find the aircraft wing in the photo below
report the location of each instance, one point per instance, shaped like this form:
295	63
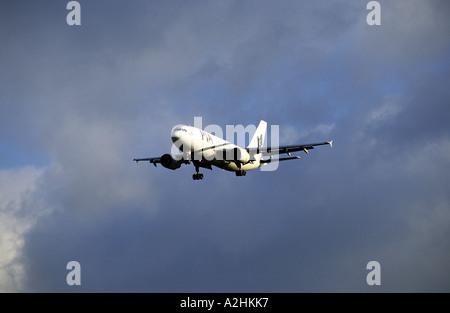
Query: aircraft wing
154	161
269	151
190	156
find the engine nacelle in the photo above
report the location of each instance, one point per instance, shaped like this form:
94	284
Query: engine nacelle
168	162
236	155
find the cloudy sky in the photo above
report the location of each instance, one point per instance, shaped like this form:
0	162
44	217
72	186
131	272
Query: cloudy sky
78	103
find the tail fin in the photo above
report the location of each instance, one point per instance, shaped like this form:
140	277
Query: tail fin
259	136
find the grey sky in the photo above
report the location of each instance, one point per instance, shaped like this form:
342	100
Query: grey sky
79	103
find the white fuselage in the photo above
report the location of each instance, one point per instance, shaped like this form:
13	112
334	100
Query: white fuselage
188	138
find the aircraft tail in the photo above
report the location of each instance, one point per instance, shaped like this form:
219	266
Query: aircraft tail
259	136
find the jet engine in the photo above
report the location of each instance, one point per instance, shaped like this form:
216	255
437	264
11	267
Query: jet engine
169	162
236	155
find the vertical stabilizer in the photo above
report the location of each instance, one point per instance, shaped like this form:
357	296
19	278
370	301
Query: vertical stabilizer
259	136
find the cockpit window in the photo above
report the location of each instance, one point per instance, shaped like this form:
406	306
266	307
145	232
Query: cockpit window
181	129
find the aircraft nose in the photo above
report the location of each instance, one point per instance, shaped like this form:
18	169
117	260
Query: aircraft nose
177	133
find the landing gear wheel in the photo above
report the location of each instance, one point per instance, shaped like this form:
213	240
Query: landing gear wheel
241	173
197	176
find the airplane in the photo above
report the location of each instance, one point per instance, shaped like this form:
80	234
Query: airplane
205	150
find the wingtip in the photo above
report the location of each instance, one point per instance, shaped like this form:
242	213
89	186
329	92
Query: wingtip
330	143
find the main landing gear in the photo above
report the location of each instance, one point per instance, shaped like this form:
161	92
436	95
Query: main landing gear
241	173
197	176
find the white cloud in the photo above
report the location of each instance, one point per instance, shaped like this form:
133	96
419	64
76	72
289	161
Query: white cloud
290	134
19	211
93	168
390	107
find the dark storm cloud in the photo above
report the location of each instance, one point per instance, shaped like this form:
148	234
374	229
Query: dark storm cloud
92	98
